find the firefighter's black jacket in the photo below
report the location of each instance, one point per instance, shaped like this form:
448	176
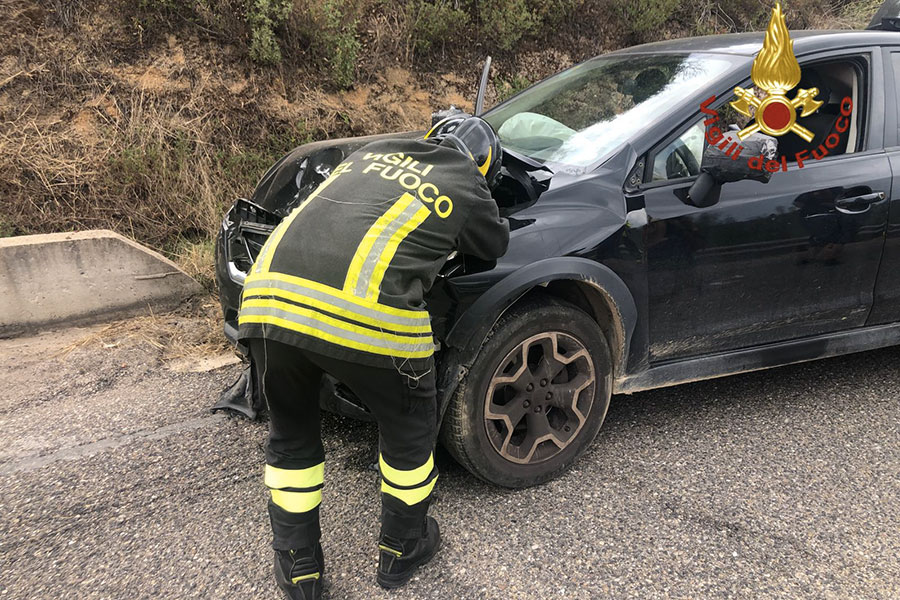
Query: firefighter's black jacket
346	272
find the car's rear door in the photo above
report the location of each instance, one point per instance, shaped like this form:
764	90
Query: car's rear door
791	258
887	287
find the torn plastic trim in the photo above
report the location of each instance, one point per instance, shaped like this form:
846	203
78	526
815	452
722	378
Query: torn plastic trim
239	398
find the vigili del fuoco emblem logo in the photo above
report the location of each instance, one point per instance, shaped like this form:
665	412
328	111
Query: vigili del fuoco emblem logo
776	71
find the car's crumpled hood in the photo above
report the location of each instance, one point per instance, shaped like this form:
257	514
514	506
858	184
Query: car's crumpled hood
553	224
298	173
577	212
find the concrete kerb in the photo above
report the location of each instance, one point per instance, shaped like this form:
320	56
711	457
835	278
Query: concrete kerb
59	279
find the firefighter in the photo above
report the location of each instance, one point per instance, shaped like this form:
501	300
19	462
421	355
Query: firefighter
338	288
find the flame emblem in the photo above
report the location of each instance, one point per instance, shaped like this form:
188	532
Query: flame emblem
776	70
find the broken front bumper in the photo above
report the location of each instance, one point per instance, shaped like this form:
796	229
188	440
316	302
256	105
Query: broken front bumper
243	397
244	230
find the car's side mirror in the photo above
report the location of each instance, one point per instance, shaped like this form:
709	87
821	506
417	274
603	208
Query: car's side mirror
704	192
728	161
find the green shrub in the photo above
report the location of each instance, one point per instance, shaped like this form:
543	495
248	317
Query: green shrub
158	5
330	28
644	16
264	16
6	229
430	23
253	21
553	12
344	52
507	21
507	88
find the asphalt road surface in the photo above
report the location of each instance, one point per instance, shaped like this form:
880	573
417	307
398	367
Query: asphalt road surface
117	482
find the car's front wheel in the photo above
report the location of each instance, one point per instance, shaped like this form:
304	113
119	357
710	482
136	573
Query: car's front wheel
535	397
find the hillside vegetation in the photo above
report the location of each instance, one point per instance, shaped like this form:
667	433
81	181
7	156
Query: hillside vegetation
150	116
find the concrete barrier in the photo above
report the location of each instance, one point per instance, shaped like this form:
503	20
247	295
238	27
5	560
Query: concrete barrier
89	276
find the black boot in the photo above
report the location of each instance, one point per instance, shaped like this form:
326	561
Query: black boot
299	572
399	559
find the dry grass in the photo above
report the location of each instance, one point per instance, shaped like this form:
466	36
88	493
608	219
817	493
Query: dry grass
156	152
152	127
132	164
851	15
193	332
158	145
198	259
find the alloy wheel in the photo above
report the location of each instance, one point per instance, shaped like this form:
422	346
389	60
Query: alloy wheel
539	397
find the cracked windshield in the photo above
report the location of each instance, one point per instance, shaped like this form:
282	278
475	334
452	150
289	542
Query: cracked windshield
578	117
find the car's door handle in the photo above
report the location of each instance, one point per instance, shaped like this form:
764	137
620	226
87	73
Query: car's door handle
855	205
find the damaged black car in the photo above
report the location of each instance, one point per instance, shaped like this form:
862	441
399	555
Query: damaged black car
638	260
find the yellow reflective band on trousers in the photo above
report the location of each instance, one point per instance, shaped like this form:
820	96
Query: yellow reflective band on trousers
295	478
406	478
296	502
379	245
389	549
410	497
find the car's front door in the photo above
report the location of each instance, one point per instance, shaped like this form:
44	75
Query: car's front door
795	257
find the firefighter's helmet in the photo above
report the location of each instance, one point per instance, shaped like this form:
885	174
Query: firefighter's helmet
473	136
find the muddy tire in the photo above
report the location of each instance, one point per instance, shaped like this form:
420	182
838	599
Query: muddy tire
535	397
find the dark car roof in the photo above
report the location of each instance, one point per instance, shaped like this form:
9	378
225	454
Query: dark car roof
748	44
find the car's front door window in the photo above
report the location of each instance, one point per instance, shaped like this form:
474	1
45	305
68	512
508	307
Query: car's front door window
835	80
682	157
835	125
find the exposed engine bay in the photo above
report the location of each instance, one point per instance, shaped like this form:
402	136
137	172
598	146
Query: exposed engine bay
290	181
522	181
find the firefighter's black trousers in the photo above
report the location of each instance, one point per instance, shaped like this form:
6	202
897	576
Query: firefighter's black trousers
405	407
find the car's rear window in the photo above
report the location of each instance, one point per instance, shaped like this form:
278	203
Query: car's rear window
577	117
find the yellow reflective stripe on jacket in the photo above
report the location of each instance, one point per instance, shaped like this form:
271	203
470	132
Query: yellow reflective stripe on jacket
296	502
313	318
308	287
370	264
338	305
423	351
372	236
378	246
410	497
264	260
261	291
295	478
375	346
387	255
406	478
